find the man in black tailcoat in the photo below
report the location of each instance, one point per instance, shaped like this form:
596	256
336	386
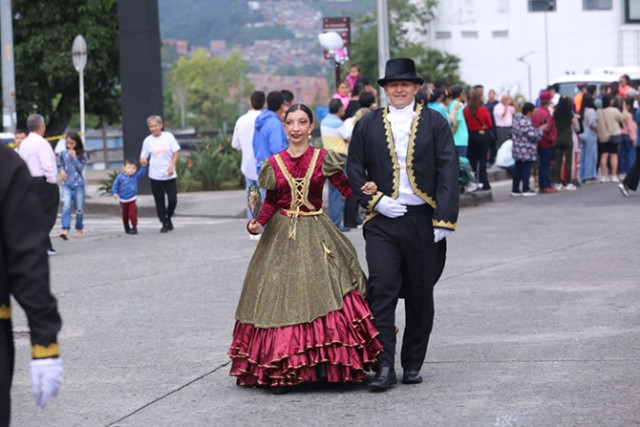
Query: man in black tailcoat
407	149
24	275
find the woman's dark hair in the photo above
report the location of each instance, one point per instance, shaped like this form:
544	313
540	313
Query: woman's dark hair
527	107
421	97
366	99
606	100
475	101
296	107
75	136
617	102
357	89
456	91
630	101
587	102
626	78
564	109
437	95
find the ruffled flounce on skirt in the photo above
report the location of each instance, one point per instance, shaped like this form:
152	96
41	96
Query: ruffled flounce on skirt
344	340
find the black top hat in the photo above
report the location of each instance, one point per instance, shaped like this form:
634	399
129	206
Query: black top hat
400	69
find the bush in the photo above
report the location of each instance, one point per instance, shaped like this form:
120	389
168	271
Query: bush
216	165
107	183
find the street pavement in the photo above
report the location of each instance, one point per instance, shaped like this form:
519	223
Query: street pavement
537	324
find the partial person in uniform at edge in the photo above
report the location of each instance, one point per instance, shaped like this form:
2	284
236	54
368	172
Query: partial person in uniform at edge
160	153
407	149
38	154
24	275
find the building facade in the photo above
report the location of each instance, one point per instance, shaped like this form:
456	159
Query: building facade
509	45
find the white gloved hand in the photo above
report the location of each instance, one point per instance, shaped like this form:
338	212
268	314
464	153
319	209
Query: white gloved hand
390	207
46	380
440	233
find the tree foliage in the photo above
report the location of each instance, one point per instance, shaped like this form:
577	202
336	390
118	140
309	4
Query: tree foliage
405	19
212	87
46	81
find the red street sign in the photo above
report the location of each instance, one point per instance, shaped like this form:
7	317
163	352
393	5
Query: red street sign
341	26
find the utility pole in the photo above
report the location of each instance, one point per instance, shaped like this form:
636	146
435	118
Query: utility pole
8	72
383	44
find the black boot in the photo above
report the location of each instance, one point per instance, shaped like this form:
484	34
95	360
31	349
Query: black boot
169	224
127	229
165	228
134	230
384	379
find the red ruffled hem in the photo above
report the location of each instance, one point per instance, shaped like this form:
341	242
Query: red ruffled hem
345	340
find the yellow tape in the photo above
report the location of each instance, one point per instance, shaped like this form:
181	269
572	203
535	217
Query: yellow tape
56	137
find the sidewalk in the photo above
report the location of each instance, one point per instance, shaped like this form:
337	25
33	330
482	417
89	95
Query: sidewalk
221	204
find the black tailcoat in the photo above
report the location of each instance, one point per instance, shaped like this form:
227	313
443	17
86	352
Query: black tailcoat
432	163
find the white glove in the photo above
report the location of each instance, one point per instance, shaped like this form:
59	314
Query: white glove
390	207
46	380
440	233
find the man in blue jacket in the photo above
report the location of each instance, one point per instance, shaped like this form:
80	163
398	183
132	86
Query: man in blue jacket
269	137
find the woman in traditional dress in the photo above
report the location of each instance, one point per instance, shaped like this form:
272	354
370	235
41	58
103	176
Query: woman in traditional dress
302	316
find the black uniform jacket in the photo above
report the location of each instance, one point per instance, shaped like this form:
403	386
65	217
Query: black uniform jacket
24	264
432	163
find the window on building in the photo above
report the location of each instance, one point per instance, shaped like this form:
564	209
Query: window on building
443	35
499	34
542	5
469	34
597	4
632	11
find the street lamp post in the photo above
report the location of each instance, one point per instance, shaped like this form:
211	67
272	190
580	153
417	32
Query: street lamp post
383	43
8	72
79	56
521	59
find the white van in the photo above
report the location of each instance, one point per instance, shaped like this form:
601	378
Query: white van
568	84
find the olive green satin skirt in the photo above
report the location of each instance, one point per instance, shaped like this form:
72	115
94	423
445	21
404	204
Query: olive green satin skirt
292	281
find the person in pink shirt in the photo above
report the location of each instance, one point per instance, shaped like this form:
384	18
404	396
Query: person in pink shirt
343	93
38	154
353	76
503	119
625	85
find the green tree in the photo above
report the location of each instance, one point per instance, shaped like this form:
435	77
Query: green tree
46	81
404	15
213	88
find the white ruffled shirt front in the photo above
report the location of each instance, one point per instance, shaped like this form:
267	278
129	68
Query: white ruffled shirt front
401	120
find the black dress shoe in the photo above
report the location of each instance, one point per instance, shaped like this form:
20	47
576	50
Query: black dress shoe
169	225
385	379
411	376
165	228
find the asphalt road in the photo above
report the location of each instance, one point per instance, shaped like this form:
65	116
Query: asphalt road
537	324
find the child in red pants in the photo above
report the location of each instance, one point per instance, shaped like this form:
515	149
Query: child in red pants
125	188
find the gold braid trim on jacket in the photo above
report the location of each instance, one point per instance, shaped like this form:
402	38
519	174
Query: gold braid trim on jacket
444	224
412	145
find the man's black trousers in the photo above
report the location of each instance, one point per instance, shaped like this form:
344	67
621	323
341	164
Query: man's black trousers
404	262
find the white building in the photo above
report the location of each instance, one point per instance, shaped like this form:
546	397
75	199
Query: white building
555	37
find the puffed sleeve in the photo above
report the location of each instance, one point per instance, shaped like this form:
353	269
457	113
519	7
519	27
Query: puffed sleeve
332	163
333	169
267	177
267	180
